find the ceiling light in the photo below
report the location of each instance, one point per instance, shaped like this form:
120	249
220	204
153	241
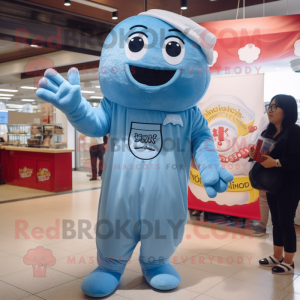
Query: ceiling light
87	92
10	91
96	97
36	46
183	4
5	98
67	2
97	86
10	109
6	95
28	100
115	15
277	68
14	105
28	87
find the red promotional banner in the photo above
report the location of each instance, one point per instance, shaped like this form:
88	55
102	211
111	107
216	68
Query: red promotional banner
246	46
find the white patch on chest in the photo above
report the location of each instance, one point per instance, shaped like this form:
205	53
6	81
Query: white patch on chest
174	119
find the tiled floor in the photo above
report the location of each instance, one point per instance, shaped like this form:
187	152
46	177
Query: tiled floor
219	264
11	192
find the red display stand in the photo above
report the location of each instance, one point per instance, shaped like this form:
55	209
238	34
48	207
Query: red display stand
42	169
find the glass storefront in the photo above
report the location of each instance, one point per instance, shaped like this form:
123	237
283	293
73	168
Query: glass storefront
82	152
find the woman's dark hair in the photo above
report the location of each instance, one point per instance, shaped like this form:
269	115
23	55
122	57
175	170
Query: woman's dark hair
289	105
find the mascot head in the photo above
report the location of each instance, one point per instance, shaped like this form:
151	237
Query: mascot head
157	60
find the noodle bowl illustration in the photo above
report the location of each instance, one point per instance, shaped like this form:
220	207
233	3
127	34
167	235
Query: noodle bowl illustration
232	125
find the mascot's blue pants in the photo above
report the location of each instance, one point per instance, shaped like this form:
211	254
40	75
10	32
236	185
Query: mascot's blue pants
144	187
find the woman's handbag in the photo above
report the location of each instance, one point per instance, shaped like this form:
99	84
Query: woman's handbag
268	179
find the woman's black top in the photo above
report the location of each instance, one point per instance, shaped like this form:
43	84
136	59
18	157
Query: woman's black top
289	143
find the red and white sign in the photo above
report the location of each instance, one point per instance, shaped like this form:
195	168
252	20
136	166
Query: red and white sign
233	115
25	172
43	174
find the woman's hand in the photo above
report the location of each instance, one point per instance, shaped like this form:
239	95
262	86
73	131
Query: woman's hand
269	162
251	152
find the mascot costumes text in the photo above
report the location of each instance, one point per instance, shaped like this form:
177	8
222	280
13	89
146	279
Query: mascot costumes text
153	71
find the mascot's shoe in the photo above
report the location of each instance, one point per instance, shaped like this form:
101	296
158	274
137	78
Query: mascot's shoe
100	283
162	277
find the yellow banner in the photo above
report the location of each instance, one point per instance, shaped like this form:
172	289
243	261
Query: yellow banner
231	114
239	184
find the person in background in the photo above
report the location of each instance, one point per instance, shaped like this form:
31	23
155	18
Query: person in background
105	139
96	152
261	228
196	213
283	115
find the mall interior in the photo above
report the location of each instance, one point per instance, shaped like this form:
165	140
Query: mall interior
51	174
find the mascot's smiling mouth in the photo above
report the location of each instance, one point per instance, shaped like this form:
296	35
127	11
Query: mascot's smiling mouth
151	77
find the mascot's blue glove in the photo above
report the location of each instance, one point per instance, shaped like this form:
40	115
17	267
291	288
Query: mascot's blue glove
65	95
215	179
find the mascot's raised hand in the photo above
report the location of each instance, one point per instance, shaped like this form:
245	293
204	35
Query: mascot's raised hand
65	95
151	81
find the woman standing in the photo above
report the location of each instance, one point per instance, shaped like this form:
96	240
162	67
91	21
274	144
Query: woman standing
283	114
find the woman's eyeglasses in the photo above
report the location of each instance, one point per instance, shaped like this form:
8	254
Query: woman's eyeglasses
271	107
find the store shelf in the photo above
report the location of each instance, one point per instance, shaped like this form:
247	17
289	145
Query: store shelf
40	134
18	134
46	135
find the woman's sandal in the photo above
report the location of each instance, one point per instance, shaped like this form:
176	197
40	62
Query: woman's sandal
270	261
284	269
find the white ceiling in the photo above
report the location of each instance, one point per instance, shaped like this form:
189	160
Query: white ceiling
10	76
88	83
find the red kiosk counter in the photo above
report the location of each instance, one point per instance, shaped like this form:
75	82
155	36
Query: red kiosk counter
37	168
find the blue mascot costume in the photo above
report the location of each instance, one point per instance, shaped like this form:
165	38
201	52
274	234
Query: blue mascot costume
153	71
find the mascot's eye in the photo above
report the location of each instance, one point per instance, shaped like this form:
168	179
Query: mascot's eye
173	50
136	46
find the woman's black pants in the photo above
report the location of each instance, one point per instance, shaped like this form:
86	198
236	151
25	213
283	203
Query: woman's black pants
283	208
